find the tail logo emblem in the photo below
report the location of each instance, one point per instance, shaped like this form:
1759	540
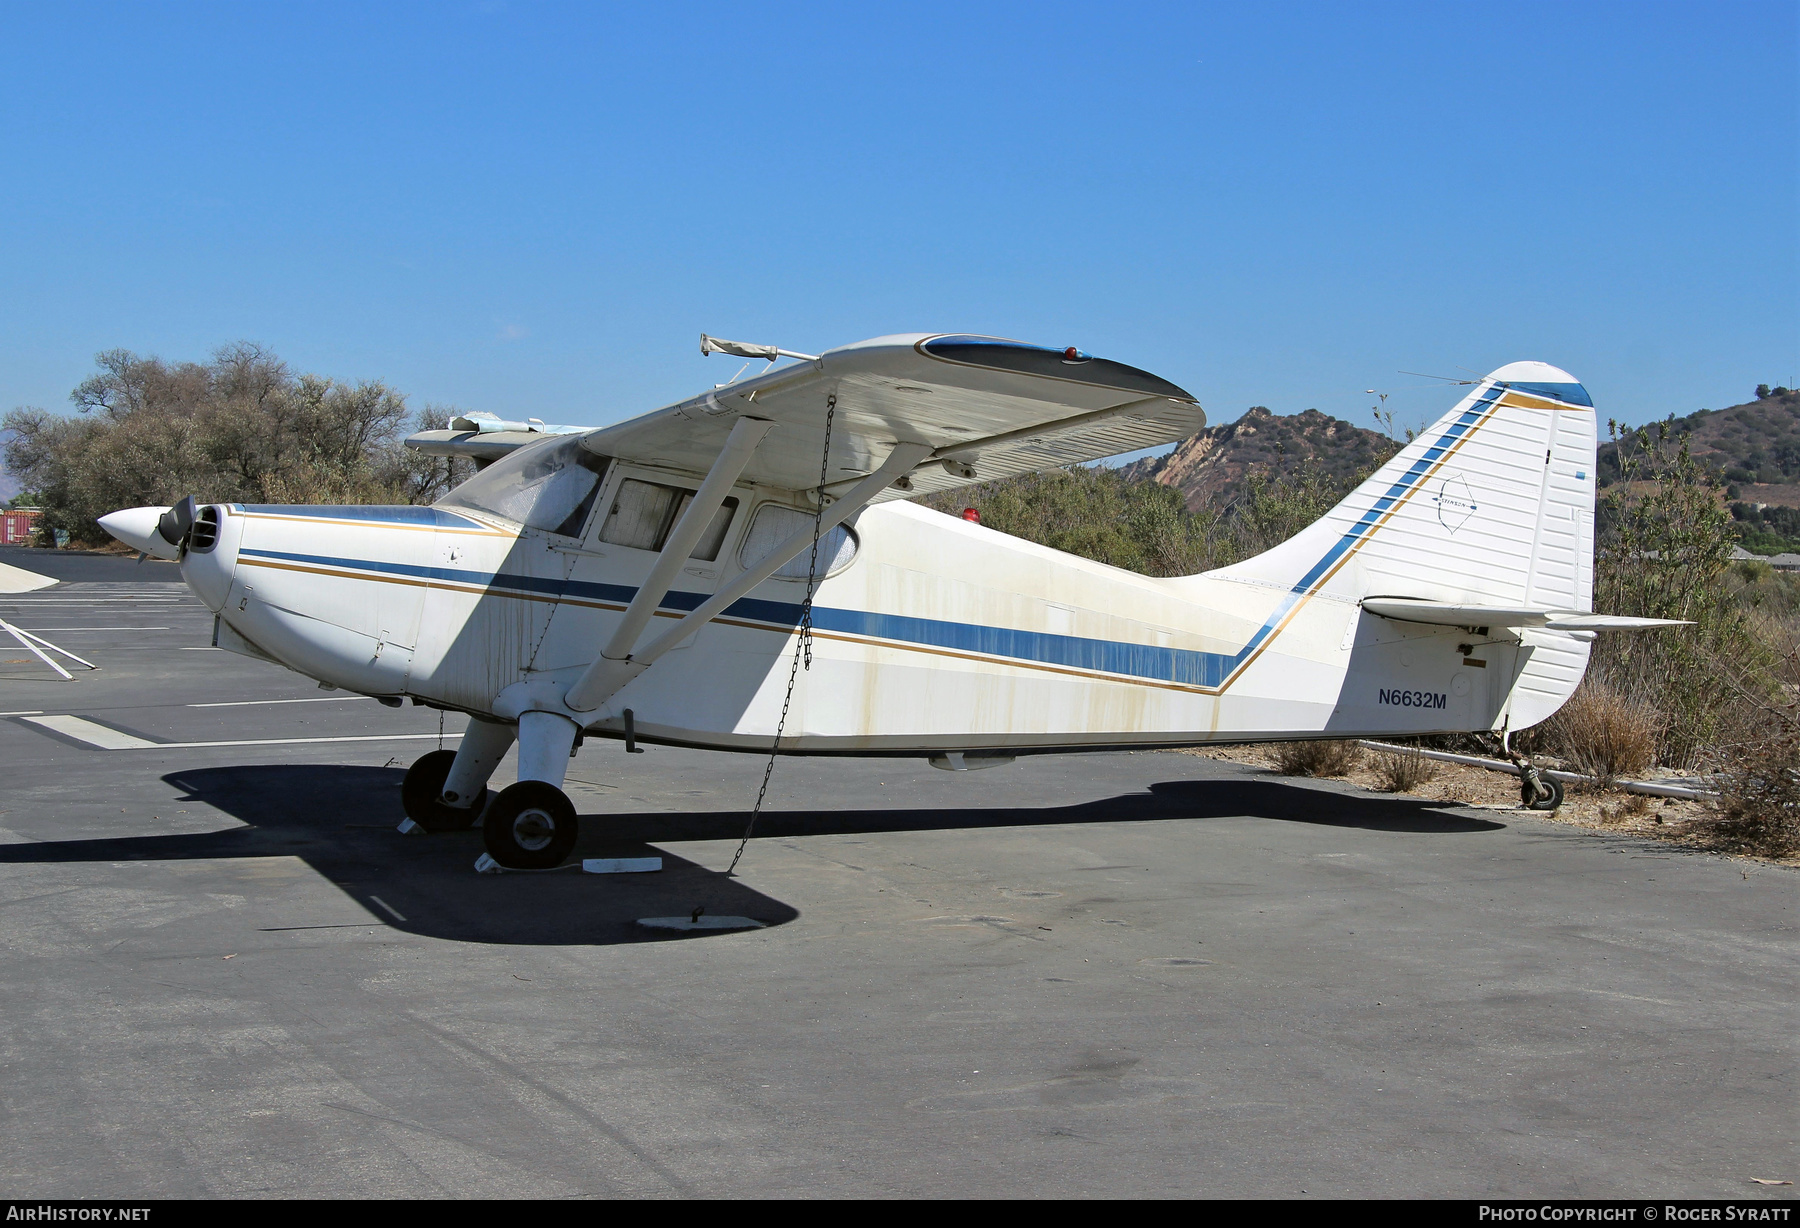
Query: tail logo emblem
1455	503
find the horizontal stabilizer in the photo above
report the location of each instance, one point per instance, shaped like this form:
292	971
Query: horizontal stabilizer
1443	614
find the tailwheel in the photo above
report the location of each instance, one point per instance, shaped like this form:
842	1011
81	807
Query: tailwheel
1552	794
530	826
421	794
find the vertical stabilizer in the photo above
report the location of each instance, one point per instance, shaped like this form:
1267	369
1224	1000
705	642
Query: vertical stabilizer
1492	505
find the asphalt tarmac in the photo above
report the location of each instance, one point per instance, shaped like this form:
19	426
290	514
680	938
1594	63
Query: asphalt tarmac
1126	975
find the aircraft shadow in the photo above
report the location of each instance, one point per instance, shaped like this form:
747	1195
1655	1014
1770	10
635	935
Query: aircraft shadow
341	821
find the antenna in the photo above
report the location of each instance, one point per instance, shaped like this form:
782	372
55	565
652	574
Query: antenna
1446	378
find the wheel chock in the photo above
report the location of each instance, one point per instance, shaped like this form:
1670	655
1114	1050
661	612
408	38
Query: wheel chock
621	865
409	828
707	922
485	864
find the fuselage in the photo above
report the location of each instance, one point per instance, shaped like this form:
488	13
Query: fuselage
930	634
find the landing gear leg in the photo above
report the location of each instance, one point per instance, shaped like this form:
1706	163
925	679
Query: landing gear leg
484	745
532	825
1536	791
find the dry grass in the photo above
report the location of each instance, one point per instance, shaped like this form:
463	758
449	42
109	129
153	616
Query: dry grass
1316	758
1602	734
1399	771
1690	824
1759	812
1630	806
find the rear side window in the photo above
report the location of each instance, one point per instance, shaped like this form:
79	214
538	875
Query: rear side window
549	486
774	524
643	514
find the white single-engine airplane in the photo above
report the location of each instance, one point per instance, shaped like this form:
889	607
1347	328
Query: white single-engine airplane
647	581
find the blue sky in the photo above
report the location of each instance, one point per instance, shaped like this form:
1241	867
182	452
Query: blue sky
535	209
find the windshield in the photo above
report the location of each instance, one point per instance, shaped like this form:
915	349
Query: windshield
549	486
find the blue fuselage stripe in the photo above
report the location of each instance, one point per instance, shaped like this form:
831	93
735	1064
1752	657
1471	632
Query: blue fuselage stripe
1177	665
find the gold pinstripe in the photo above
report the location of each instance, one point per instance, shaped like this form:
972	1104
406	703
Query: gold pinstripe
928	650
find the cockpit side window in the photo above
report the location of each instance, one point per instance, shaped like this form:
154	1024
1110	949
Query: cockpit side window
549	486
643	514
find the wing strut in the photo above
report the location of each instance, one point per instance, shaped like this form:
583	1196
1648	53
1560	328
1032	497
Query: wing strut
607	675
746	433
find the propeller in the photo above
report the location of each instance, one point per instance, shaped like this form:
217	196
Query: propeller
178	522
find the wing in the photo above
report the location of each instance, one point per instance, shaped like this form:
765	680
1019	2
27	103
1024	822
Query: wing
989	408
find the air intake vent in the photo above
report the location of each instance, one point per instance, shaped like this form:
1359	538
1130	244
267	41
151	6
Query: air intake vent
206	530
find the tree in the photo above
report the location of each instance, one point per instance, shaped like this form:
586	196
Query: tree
240	428
1666	537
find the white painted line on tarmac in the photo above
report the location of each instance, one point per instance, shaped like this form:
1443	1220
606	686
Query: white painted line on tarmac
100	736
90	732
207	649
32	712
247	703
370	737
387	908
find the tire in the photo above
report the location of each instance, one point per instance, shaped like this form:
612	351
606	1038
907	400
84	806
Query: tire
421	794
530	826
1549	803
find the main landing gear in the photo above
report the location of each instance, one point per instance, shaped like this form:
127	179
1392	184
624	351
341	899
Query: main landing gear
530	826
446	790
527	826
422	793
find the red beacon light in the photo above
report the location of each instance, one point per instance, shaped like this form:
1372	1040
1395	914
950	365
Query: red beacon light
971	515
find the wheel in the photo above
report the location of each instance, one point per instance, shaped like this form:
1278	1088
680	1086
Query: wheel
1549	803
530	826
422	795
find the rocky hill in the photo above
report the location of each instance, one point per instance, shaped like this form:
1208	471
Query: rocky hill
1210	467
1754	447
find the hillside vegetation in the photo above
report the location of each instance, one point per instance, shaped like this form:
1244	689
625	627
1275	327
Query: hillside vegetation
1211	468
1752	451
1116	516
